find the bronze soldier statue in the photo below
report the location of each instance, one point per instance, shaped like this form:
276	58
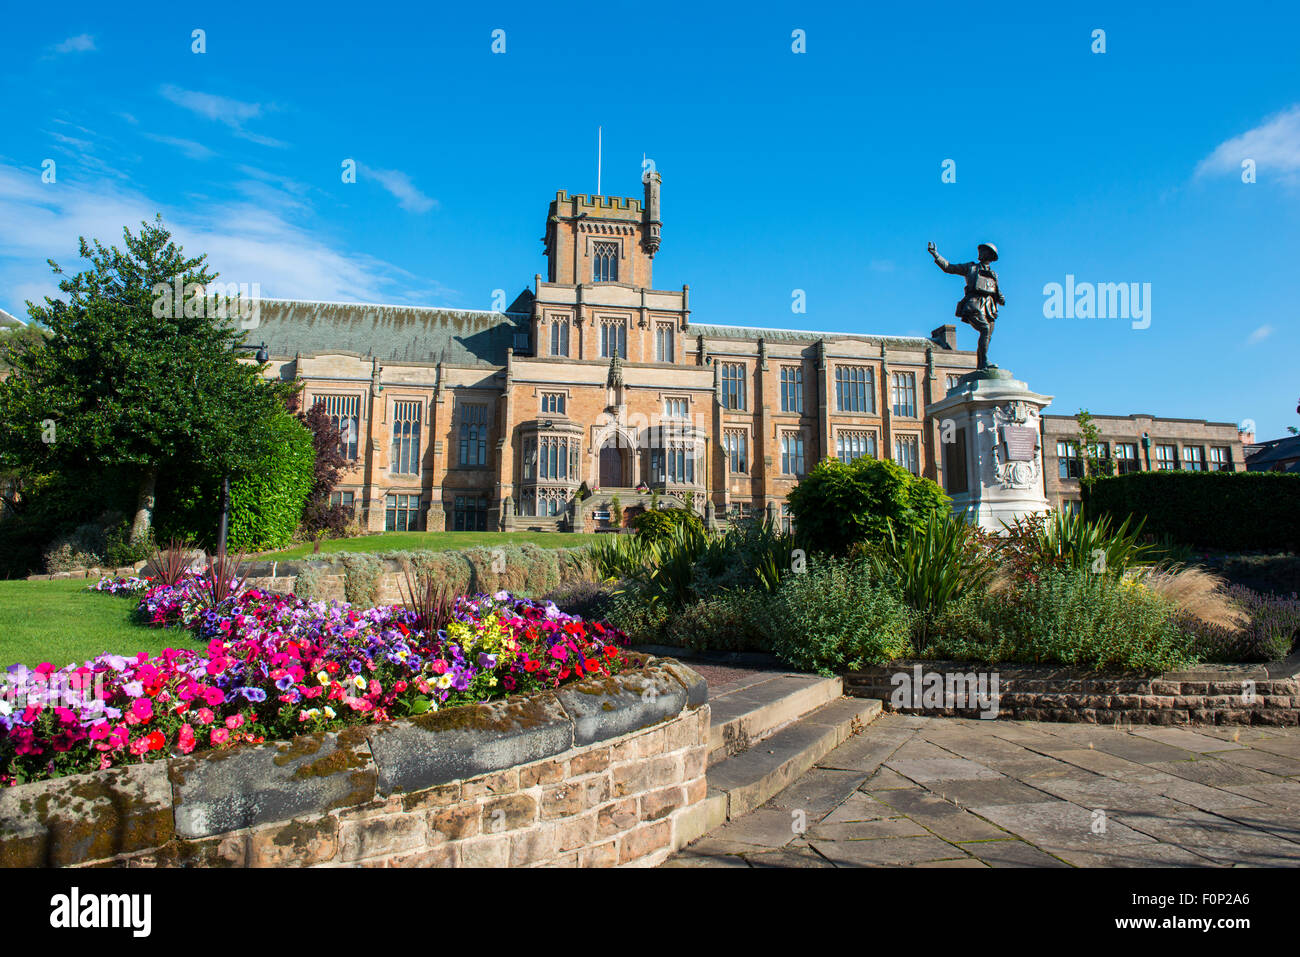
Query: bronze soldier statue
979	305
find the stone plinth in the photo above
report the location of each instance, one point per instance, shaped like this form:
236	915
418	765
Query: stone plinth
990	429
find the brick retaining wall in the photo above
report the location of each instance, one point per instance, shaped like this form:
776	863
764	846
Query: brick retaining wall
1219	694
600	773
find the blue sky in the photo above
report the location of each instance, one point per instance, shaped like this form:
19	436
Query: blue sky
818	171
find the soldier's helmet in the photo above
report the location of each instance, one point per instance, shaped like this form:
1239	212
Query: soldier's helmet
993	250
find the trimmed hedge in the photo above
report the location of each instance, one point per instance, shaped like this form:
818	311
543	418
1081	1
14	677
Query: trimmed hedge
1233	511
266	505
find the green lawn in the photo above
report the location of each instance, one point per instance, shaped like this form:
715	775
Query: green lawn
63	622
435	541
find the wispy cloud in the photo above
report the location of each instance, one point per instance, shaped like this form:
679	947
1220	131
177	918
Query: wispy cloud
222	109
81	43
246	241
66	140
407	194
1259	335
190	148
1274	145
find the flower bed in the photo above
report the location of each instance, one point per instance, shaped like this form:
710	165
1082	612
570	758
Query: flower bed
277	666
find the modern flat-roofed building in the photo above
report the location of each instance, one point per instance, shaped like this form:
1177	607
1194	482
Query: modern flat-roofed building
1136	443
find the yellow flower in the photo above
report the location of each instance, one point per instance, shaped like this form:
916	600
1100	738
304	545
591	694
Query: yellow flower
329	712
323	677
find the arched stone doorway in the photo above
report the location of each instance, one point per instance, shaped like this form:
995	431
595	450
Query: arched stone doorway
612	471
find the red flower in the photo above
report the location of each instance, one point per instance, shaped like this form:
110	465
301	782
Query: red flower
155	741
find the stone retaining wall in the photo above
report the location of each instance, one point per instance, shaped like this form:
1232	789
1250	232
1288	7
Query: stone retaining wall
1220	694
603	772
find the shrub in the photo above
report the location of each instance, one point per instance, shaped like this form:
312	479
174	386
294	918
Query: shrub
119	550
619	556
361	575
266	504
1073	540
833	618
84	548
1070	617
728	621
615	511
1271	632
935	564
837	505
1234	511
630	611
657	525
310	583
585	599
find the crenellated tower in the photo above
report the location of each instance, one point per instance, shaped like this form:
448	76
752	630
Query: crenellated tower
602	239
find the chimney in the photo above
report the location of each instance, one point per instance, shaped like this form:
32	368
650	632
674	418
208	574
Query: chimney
945	336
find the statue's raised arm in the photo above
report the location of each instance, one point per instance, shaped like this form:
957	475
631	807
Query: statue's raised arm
979	304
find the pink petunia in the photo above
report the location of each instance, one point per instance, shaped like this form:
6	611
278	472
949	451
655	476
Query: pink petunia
220	736
234	721
142	709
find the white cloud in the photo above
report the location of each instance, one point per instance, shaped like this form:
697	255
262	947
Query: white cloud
81	43
408	196
221	109
1259	335
1274	145
246	241
189	147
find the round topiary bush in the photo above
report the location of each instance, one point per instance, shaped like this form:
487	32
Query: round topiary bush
837	505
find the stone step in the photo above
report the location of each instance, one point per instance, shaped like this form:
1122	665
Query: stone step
744	714
744	781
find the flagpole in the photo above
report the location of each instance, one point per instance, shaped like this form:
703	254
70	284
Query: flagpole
598	150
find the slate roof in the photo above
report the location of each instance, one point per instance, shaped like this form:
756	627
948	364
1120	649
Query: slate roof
795	335
1266	456
394	333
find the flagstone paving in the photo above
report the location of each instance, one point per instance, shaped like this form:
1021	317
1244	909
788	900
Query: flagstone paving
945	792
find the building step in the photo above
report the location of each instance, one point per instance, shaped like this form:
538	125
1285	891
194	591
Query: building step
745	781
744	714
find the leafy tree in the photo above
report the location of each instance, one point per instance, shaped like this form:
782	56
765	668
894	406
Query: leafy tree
133	379
837	505
1094	464
16	337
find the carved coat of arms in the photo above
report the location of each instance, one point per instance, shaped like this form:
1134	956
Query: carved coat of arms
1017	442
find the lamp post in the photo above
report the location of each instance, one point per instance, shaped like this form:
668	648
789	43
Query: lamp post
262	356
